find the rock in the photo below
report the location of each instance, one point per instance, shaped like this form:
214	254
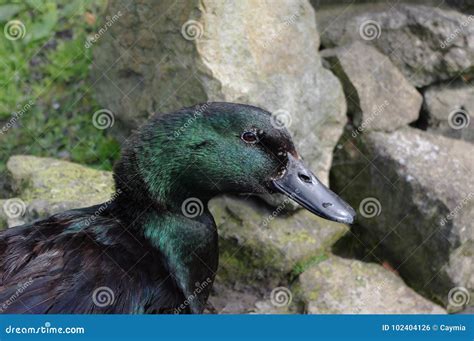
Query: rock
428	44
415	195
46	186
261	251
57	181
40	208
226	300
377	94
462	5
5	185
3	216
193	54
366	4
261	248
450	110
12	212
266	307
345	286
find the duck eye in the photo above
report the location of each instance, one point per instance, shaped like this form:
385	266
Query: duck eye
249	137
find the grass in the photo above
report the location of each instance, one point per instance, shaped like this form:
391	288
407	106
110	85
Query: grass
46	103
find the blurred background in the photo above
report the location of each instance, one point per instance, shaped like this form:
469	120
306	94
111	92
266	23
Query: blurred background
378	95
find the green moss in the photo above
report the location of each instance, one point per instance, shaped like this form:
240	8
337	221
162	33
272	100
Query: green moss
302	266
314	294
233	268
242	263
298	237
72	183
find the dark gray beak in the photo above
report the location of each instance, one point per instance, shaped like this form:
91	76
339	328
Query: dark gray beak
302	186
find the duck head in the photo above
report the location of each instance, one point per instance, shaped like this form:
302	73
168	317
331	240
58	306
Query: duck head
216	148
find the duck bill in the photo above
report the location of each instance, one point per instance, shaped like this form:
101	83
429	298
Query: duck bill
302	186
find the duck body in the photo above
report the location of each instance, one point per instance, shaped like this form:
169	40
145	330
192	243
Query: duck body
143	251
68	265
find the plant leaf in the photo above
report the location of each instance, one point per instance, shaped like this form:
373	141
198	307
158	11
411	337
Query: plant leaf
43	28
8	11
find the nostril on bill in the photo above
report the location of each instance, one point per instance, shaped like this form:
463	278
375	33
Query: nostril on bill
326	204
304	177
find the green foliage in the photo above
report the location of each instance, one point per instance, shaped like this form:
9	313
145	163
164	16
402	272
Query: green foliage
46	103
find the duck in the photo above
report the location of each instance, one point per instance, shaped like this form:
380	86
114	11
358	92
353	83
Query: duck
153	248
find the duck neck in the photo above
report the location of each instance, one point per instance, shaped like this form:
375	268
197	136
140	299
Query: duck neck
153	171
190	253
172	218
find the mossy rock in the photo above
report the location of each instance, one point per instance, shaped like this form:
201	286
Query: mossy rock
257	244
3	216
57	181
414	193
46	186
346	286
